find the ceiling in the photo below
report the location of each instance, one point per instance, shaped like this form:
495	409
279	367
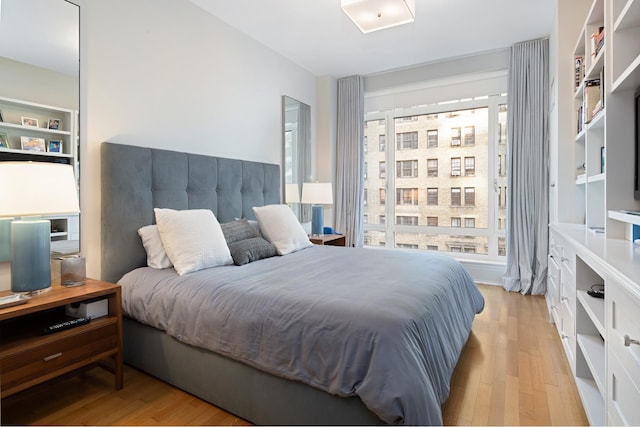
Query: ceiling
44	33
318	35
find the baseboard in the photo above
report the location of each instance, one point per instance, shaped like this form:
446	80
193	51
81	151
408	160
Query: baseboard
489	273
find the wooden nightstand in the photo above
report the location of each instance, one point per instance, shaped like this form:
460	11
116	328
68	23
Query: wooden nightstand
328	239
29	357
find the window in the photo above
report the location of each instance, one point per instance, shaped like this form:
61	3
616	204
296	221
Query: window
500	196
469	166
469	250
382	142
382	219
469	196
383	169
469	135
432	196
365	219
455	166
432	167
406	246
365	170
407	196
455	136
432	221
407	140
499	164
365	196
406	220
455	248
456	222
366	145
409	119
383	196
432	247
469	223
407	169
455	196
432	138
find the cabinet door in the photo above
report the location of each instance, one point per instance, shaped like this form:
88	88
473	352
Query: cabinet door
553	288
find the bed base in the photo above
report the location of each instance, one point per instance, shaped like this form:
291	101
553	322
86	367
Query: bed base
247	392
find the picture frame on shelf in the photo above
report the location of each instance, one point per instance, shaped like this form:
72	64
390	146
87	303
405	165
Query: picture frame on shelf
53	124
29	143
30	122
4	140
54	146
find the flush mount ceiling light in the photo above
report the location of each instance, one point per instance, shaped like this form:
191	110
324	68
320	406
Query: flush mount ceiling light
373	15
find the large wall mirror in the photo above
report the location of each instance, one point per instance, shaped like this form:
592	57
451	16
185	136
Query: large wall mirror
39	79
296	162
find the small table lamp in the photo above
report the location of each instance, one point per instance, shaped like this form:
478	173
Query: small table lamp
317	193
31	189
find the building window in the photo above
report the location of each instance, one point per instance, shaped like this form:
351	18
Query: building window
456	222
432	247
432	196
406	246
455	166
432	138
432	221
365	219
383	196
432	167
407	140
499	164
382	142
455	136
469	196
366	166
469	135
469	166
407	169
409	119
455	248
366	145
383	169
407	196
455	196
500	196
406	220
469	223
365	196
382	219
469	250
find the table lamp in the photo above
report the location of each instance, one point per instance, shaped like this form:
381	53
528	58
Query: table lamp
317	194
31	189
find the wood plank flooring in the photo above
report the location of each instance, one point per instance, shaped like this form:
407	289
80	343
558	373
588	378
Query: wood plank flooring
511	372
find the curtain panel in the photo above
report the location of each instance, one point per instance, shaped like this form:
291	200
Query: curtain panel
528	168
350	160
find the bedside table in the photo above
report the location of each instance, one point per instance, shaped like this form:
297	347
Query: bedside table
328	239
29	357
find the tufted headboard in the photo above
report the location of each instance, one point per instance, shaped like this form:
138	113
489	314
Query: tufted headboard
136	179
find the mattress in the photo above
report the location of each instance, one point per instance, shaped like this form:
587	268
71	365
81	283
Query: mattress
386	326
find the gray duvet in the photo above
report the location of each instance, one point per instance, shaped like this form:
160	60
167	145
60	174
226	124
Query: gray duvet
387	326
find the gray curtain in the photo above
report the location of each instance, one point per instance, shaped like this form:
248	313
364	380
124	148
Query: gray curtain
350	159
305	172
528	168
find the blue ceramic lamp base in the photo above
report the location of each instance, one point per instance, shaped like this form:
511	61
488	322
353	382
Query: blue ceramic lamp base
317	220
30	256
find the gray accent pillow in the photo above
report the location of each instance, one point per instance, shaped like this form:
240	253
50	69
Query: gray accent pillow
245	244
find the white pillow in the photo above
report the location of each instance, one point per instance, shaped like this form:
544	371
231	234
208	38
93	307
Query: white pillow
192	239
279	225
156	256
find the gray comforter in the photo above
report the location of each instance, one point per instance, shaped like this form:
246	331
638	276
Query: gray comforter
384	325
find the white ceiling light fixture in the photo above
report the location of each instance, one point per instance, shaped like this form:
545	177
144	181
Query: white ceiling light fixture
373	15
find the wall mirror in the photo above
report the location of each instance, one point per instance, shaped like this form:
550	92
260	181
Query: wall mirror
296	162
39	78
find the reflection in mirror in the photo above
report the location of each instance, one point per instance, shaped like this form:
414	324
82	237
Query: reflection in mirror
296	125
39	78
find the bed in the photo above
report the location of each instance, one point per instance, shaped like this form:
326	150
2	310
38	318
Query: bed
323	335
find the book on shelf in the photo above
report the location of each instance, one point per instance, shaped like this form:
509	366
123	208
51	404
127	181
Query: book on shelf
591	98
580	118
579	70
597	41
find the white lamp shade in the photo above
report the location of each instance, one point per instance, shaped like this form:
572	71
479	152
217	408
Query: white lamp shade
317	193
37	188
373	15
292	193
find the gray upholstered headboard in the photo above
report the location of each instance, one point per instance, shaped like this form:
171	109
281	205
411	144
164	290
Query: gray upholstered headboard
136	179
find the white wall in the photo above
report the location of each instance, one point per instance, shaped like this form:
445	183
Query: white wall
165	74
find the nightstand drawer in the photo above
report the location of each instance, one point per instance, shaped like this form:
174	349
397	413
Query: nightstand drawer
57	353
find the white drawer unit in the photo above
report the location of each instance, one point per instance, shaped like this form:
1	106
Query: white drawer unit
553	289
623	332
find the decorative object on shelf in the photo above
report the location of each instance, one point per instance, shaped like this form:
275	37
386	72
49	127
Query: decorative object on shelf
53	124
73	270
29	143
602	160
55	146
30	122
579	71
44	188
4	140
373	15
317	194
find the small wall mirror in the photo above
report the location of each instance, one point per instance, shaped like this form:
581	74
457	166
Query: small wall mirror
296	162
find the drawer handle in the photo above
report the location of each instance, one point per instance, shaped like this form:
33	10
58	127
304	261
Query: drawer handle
628	341
53	356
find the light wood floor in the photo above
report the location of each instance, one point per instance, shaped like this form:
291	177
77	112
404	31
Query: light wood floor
511	372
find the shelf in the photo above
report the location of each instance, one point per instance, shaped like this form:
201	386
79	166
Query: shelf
625	217
580	137
581	179
34	129
33	153
594	70
594	308
593	351
597	122
591	400
629	79
597	178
